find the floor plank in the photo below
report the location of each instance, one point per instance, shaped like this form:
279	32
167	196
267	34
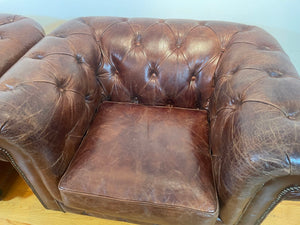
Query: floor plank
21	207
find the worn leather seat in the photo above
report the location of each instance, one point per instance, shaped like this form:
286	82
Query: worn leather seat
17	35
131	119
146	164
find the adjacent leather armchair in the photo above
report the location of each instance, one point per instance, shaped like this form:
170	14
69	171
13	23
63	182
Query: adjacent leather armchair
155	121
17	35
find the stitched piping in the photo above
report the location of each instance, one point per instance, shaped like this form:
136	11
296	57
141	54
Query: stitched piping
279	197
12	161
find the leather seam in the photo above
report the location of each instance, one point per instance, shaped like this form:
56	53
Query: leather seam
59	205
156	106
12	161
159	205
279	197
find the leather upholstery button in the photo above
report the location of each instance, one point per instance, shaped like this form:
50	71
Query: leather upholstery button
61	89
193	78
153	76
88	97
138	39
275	74
60	36
38	56
235	70
135	100
266	48
178	43
60	84
79	58
293	115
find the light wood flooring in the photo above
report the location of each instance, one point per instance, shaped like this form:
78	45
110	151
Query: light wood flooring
21	207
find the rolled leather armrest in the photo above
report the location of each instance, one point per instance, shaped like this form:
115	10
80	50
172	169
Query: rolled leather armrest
17	35
255	120
47	100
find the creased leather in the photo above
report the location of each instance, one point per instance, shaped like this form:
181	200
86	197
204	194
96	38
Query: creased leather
48	99
254	115
17	35
237	72
144	163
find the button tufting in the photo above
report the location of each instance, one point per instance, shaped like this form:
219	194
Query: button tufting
60	36
135	100
61	89
235	70
293	115
152	72
153	76
60	85
170	102
266	48
79	58
275	74
193	78
114	73
38	56
138	39
178	43
236	101
88	97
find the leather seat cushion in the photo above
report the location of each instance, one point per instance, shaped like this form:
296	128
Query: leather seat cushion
142	163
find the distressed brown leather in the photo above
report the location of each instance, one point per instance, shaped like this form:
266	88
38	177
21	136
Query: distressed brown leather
156	62
49	97
254	115
17	35
145	164
272	192
238	73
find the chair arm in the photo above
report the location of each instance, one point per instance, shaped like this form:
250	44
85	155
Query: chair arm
17	35
47	101
255	120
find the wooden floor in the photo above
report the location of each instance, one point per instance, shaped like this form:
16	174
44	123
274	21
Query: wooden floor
21	207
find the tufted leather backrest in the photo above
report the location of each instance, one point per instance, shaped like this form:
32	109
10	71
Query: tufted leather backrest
159	62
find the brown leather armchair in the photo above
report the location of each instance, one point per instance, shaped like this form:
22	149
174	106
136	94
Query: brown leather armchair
155	121
17	35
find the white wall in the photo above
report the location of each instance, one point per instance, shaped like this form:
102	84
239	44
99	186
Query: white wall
279	17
